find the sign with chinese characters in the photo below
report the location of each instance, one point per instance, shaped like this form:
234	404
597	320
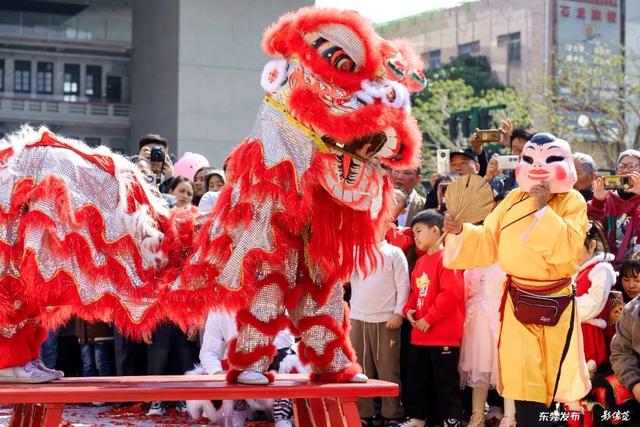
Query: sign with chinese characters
586	24
586	29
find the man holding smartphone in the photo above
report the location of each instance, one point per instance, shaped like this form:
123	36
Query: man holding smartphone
513	138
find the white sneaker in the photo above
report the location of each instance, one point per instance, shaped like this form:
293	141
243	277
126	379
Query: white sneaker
28	373
40	365
156	408
283	423
252	378
412	422
359	379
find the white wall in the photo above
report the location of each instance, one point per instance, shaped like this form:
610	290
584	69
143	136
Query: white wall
219	72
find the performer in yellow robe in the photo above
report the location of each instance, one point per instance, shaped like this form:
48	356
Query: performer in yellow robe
537	247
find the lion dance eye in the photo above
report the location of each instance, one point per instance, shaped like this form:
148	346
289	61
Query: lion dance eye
334	54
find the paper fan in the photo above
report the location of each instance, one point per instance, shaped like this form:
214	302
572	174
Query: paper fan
469	199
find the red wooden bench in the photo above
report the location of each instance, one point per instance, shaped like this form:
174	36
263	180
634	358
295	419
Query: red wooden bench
315	405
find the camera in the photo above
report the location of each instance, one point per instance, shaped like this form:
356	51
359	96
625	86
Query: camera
157	155
488	135
617	182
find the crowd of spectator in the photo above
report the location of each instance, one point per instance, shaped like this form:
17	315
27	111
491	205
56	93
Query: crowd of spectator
436	338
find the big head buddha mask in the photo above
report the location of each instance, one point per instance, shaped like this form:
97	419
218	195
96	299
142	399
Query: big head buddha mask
546	159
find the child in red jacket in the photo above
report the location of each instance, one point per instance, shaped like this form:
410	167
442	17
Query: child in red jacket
436	311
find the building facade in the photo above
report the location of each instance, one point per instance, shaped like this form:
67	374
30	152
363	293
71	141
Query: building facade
68	66
109	71
512	34
522	39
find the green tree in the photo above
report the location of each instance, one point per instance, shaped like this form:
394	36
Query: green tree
474	71
602	85
435	104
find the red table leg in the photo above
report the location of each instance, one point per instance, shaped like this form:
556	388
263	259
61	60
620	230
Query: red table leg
302	413
37	415
334	410
318	412
52	414
350	411
27	414
18	415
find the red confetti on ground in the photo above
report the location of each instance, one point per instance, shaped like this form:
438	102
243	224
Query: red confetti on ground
128	416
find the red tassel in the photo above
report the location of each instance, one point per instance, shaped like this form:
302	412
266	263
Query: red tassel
343	376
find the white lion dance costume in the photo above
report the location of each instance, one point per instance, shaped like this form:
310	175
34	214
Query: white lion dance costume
80	232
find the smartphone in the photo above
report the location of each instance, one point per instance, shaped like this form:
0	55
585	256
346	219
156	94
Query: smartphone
442	161
488	135
507	162
617	182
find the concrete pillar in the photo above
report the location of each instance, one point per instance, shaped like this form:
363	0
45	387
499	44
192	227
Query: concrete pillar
196	70
154	70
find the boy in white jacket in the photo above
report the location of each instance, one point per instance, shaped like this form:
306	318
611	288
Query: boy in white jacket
377	301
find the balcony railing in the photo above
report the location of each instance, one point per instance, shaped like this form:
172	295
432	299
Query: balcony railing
53	111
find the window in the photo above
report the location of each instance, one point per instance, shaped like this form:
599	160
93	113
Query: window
71	81
44	78
114	88
434	59
512	42
469	48
22	77
1	75
93	81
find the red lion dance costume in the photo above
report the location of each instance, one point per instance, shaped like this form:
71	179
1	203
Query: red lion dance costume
80	232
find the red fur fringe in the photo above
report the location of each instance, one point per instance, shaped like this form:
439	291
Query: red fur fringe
243	359
343	376
271	328
23	347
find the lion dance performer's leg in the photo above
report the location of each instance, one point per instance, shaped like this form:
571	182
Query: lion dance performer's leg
319	318
20	340
322	323
250	354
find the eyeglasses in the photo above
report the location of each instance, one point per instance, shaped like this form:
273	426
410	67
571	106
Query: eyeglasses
628	166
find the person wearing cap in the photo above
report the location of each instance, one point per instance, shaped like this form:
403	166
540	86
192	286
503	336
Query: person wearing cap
463	161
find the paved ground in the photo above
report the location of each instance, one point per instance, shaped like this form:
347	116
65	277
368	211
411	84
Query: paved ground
133	416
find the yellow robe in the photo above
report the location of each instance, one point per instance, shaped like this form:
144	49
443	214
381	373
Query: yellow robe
540	247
